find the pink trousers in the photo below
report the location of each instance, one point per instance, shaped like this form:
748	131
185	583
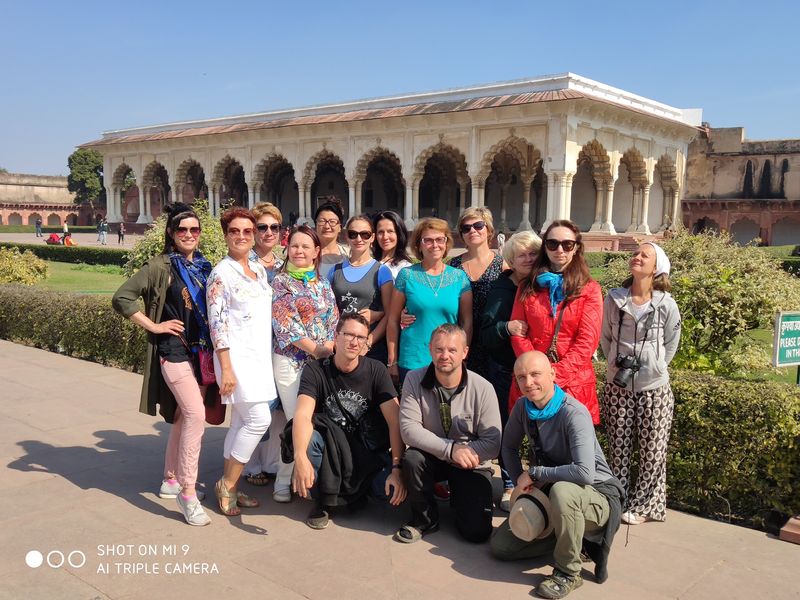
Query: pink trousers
186	434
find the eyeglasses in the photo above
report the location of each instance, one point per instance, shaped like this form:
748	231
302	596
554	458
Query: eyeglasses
263	227
195	231
430	241
567	245
365	235
477	225
329	222
352	337
235	231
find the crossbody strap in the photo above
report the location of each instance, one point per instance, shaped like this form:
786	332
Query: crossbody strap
554	342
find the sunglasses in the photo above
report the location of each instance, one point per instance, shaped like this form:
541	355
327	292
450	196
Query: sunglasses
235	231
365	235
195	231
263	227
477	225
567	245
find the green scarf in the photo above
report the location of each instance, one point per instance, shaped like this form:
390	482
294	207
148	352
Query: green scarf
301	273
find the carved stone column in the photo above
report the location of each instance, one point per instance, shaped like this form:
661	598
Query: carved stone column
644	227
552	201
503	194
599	188
632	228
408	204
525	222
462	196
142	214
608	223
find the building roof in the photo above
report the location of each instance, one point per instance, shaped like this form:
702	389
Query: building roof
550	88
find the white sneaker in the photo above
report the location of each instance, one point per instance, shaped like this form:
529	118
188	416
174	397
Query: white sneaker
631	518
192	511
505	501
282	495
171	490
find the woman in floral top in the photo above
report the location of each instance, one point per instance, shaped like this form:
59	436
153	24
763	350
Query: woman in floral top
304	318
483	267
268	234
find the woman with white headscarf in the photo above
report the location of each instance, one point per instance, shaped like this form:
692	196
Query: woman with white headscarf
640	336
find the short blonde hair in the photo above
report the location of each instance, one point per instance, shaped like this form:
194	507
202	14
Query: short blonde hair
519	242
481	213
439	225
267	208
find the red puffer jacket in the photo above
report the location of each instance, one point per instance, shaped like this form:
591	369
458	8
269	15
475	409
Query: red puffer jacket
577	341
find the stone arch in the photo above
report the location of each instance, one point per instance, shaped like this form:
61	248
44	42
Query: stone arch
744	231
228	180
53	220
324	176
519	148
509	171
705	224
596	155
583	196
274	178
637	168
451	153
659	213
120	174
32	218
322	157
785	231
380	174
190	181
668	172
15	219
441	171
155	179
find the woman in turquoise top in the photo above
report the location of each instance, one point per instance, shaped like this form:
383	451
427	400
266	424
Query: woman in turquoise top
433	292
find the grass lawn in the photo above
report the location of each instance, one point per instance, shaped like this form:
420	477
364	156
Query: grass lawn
764	337
82	279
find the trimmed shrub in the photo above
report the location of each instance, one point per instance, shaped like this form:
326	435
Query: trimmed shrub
791	265
212	242
47	229
79	325
23	268
601	259
74	254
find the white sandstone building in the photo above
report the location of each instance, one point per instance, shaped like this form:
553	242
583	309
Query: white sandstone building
534	150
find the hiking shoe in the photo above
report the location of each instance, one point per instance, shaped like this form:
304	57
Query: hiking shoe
318	518
558	585
192	511
170	488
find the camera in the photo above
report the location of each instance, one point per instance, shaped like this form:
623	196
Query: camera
627	365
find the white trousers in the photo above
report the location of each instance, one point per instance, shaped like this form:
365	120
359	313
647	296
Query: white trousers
249	422
287	380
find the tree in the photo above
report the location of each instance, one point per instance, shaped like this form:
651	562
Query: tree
86	176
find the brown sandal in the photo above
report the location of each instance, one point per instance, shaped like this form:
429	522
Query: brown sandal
226	501
246	501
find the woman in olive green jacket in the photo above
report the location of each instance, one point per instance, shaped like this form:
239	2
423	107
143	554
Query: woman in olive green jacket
172	287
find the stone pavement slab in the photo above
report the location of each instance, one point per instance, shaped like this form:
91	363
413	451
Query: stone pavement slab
81	472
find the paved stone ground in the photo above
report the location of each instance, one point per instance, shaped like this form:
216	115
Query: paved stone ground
82	468
82	239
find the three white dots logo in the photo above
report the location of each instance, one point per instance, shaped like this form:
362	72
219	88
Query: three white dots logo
55	559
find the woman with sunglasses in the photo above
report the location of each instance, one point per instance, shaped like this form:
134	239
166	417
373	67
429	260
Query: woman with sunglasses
640	336
173	288
328	218
391	241
240	316
363	285
563	308
433	292
483	267
268	235
304	317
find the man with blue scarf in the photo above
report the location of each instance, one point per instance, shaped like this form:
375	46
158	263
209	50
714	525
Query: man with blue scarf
566	463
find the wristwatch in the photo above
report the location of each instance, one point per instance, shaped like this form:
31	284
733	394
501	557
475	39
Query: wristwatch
532	473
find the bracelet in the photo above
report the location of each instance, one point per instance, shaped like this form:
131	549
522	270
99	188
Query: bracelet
389	365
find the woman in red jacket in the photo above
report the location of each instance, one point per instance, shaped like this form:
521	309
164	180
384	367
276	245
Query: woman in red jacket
563	307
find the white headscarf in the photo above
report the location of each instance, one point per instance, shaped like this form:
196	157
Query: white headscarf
662	262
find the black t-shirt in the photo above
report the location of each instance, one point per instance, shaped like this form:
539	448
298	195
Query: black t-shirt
361	391
178	305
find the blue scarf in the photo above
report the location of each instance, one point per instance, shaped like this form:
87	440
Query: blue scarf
555	283
550	409
194	274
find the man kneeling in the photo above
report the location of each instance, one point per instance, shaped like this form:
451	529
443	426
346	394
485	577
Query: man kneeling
450	420
568	465
345	422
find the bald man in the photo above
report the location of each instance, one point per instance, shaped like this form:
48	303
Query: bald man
567	463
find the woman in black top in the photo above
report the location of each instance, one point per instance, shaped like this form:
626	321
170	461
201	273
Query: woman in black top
173	287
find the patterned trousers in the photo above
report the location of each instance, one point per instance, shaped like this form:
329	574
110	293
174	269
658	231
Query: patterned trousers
644	418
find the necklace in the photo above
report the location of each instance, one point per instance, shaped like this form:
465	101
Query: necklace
430	285
265	262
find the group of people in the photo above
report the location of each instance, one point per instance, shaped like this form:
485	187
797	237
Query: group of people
309	349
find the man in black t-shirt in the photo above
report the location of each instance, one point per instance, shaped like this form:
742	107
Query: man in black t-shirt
352	401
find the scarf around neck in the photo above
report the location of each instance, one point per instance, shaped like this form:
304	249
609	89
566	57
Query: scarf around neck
549	410
194	274
555	284
305	274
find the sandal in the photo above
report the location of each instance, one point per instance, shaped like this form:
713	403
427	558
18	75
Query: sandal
246	501
258	479
558	585
408	534
225	499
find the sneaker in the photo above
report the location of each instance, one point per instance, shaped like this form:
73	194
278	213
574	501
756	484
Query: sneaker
282	495
318	518
558	585
441	491
192	511
631	518
505	501
170	488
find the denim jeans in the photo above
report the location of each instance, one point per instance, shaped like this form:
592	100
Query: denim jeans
316	448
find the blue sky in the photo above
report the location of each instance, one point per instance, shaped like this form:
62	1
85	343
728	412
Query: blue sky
73	70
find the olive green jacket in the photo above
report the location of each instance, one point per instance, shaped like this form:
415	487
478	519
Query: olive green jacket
150	283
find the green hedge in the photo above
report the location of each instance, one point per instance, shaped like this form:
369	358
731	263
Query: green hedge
80	325
47	229
792	265
601	259
90	255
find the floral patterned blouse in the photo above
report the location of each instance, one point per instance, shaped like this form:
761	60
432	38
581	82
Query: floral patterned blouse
301	309
478	357
271	271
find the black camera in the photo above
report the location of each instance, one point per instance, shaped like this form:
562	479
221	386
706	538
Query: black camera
627	365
